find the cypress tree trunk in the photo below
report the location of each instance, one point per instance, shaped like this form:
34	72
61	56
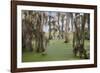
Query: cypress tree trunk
62	26
59	35
79	36
50	37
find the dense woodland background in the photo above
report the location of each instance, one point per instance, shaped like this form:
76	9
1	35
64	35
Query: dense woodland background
55	35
